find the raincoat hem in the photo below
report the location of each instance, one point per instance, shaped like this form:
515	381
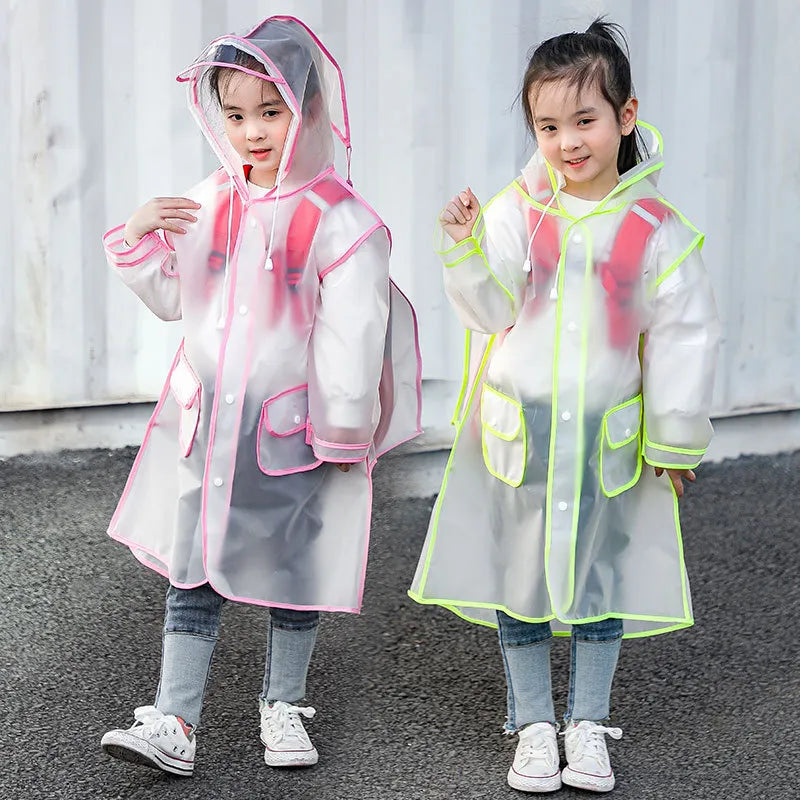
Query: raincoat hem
457	608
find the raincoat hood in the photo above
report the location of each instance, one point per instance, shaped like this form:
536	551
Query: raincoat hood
539	175
308	79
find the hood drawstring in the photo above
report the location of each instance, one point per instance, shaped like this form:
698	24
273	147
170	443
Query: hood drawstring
527	265
268	265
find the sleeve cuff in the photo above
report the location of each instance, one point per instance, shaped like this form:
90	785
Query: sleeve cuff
456	253
121	255
661	455
338	452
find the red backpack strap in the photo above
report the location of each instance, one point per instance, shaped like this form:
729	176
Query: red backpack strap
303	226
219	237
620	273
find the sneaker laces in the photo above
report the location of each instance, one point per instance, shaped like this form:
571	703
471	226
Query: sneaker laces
284	720
586	739
535	744
156	723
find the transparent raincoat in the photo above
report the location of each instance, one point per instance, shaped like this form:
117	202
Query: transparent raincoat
591	354
298	352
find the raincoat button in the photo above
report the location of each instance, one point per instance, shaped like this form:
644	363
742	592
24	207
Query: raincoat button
297	419
566	416
242	310
229	399
572	327
253	223
628	431
562	506
217	481
577	238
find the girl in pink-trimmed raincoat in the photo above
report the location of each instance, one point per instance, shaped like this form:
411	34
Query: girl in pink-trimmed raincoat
299	367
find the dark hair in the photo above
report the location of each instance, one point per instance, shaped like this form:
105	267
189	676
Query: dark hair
229	54
598	56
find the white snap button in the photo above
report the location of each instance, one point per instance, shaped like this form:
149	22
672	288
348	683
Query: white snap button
577	238
229	399
217	481
297	419
242	310
628	431
572	327
566	416
253	223
562	506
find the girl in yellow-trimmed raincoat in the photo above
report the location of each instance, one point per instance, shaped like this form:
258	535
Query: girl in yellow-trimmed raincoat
591	358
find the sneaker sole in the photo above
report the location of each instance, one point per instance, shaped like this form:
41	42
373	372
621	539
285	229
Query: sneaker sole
590	783
526	783
134	750
290	758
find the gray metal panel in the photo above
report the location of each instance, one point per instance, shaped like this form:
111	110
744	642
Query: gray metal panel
95	125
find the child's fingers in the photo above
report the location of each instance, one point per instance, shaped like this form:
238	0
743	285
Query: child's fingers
690	476
172	227
177	202
180	215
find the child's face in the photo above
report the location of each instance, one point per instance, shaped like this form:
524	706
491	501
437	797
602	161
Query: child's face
256	123
579	135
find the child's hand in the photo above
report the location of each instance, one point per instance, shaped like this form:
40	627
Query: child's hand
343	467
459	215
160	213
677	476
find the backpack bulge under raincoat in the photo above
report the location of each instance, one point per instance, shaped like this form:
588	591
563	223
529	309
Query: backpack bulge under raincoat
591	351
298	351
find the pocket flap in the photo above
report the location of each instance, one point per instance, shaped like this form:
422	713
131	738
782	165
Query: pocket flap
622	423
183	383
286	413
500	414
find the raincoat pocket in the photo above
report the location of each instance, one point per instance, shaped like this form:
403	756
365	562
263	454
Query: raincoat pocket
282	446
503	439
185	387
620	447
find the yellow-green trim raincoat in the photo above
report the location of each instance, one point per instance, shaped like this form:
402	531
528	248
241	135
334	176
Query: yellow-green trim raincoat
548	510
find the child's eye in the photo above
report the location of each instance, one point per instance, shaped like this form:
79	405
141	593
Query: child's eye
585	122
235	117
271	112
548	128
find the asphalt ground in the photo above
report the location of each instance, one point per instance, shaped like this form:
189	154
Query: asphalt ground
410	700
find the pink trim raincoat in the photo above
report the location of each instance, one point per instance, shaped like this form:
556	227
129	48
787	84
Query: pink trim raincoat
289	363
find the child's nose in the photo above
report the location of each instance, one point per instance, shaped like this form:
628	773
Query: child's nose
255	131
570	140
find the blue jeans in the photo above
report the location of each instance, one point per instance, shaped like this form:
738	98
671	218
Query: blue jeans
526	657
191	629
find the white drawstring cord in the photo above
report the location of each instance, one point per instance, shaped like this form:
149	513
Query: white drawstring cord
224	297
268	263
526	267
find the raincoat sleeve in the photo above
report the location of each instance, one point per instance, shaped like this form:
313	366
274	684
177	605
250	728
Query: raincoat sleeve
149	268
483	274
347	348
679	355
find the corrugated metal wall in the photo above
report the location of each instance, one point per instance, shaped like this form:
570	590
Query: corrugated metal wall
92	124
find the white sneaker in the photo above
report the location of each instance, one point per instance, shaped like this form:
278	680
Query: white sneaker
588	764
162	741
284	737
535	767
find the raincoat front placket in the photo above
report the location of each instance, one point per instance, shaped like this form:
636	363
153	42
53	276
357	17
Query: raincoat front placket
567	420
